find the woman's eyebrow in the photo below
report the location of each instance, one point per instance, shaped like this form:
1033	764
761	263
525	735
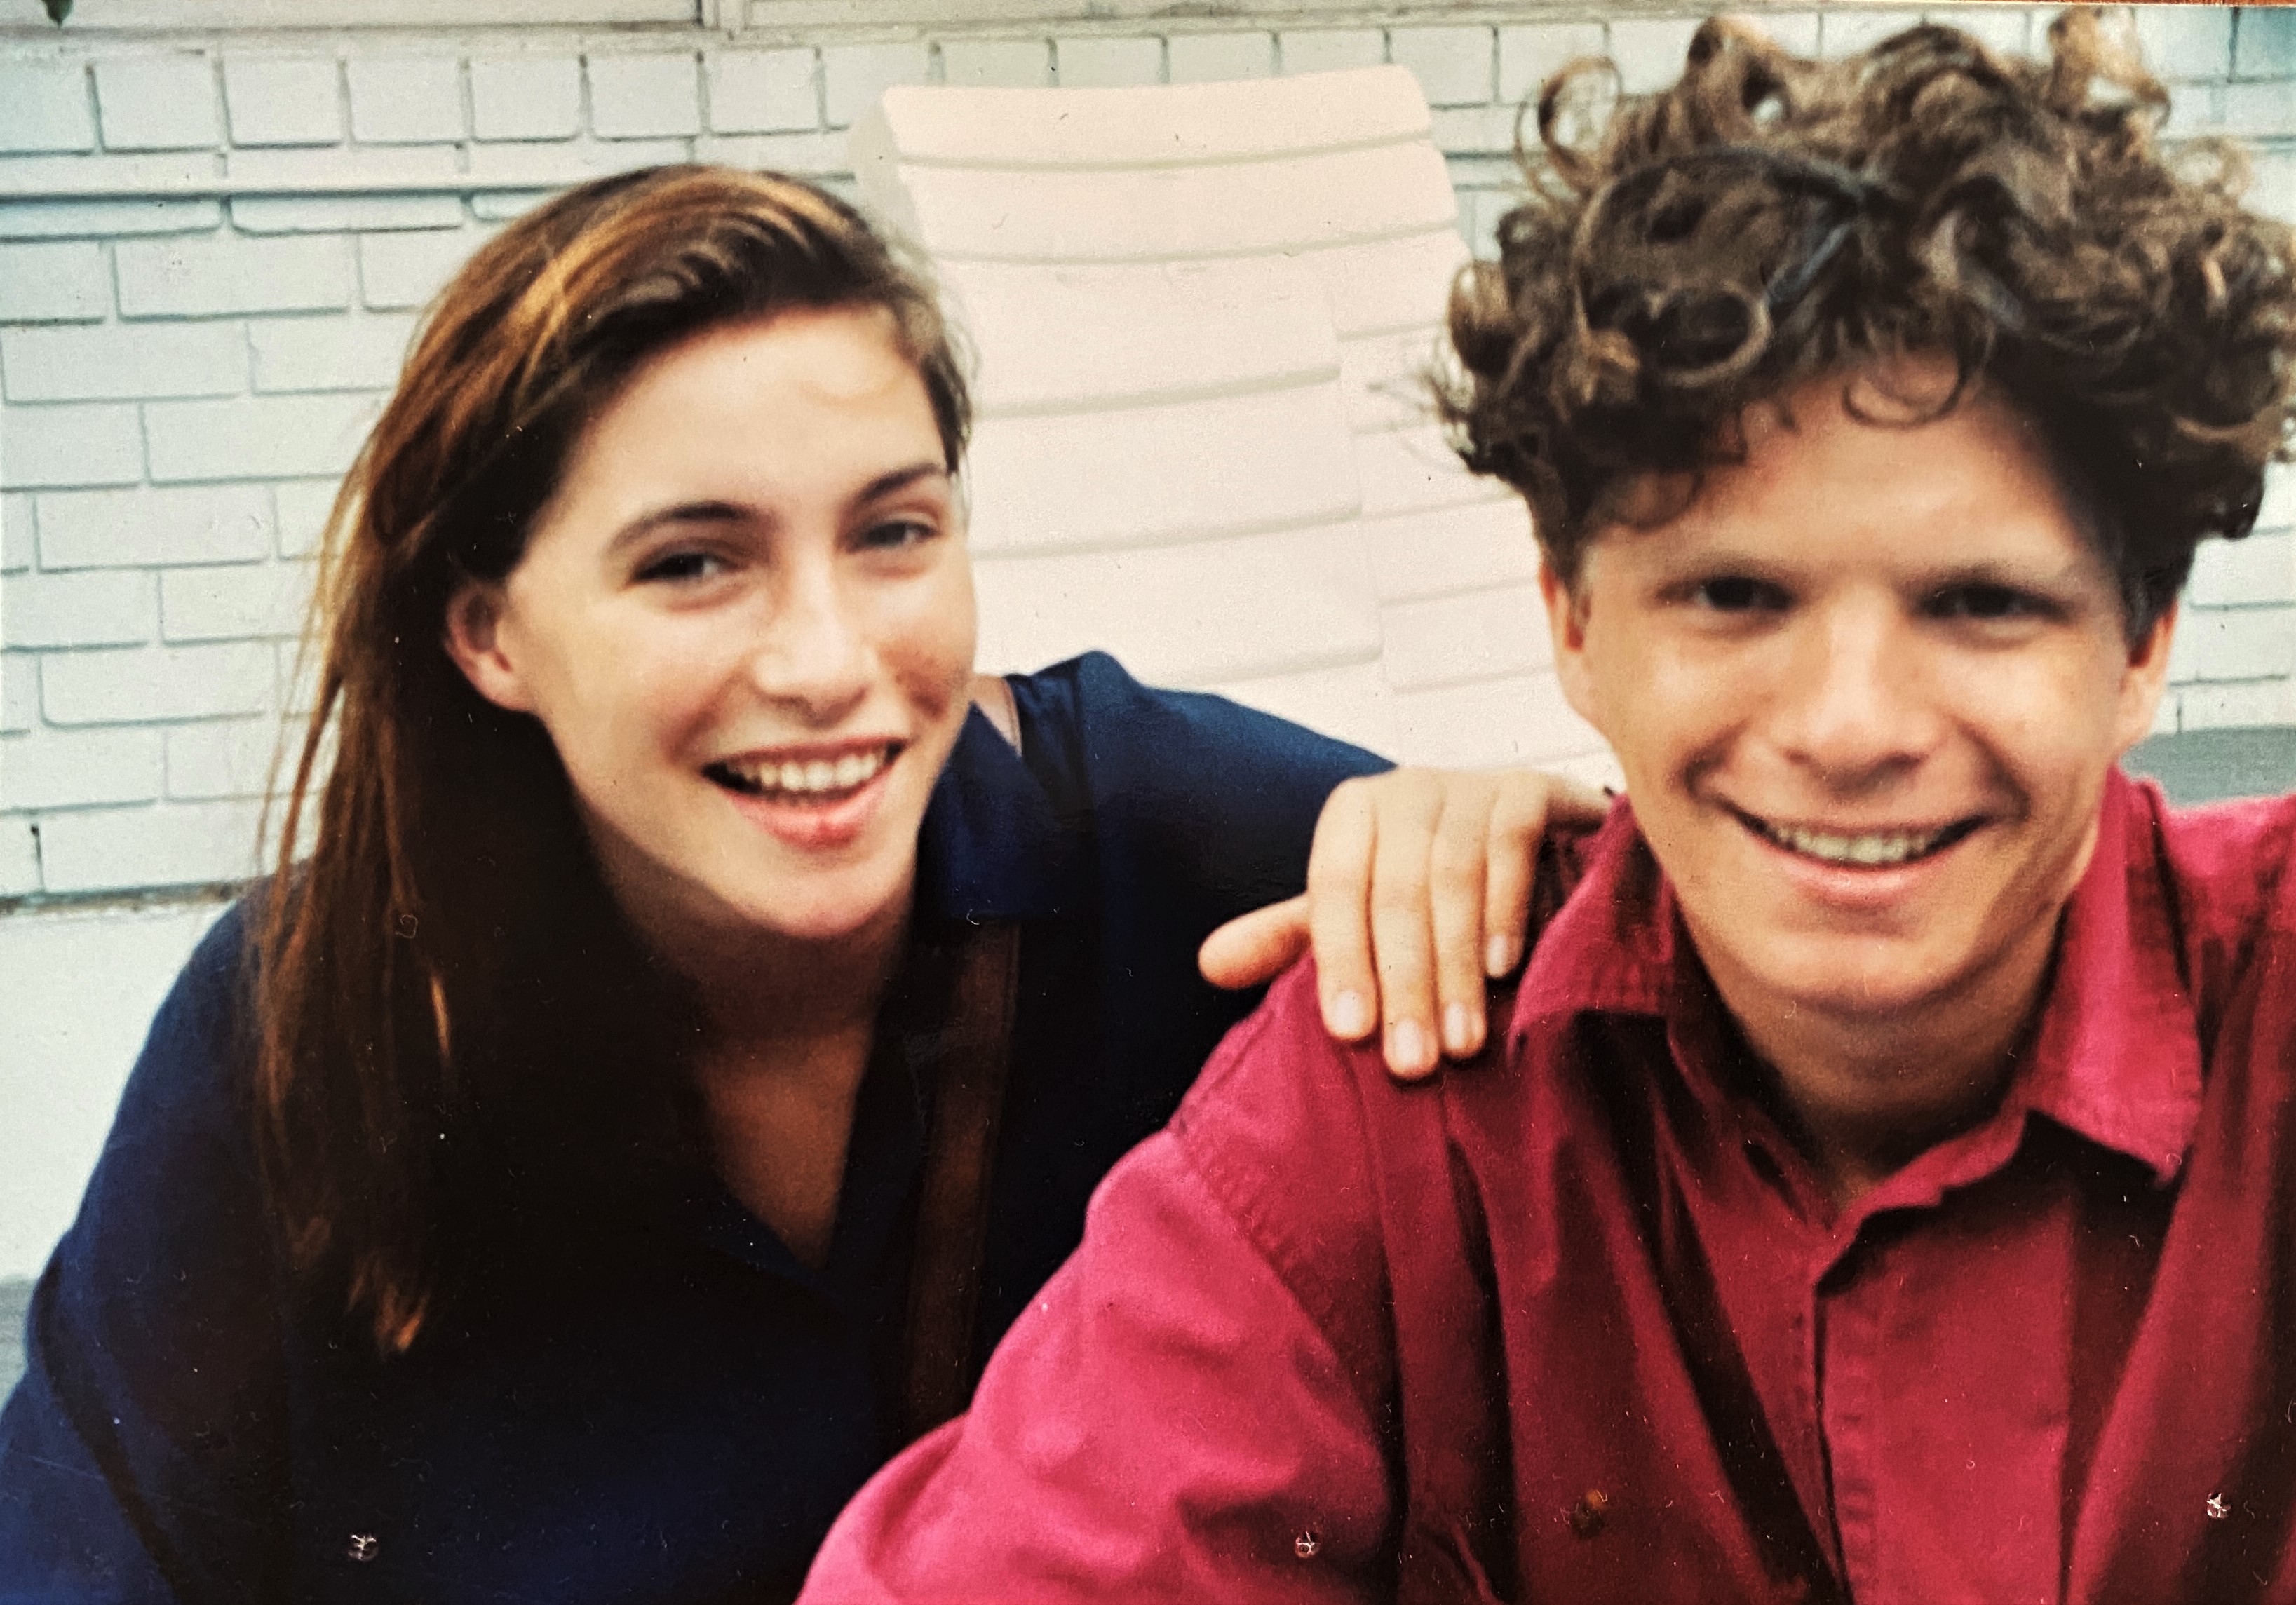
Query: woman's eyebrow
677	513
899	478
718	512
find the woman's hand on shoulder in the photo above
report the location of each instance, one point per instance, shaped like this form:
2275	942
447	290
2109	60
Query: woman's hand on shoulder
1418	887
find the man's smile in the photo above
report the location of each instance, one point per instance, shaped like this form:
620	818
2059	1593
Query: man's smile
1886	848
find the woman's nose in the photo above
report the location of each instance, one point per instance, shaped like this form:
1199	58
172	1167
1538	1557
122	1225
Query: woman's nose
1851	707
815	654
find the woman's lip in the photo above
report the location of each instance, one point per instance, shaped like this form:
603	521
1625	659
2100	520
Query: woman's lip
818	826
810	752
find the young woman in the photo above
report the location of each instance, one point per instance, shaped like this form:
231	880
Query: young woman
696	1030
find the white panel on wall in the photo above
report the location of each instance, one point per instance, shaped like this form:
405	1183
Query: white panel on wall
1229	608
1157	474
1090	335
1029	200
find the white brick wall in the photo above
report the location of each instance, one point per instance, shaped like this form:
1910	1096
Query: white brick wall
122	361
157	102
526	97
183	375
1213	58
1106	63
763	91
288	101
644	96
998	64
208	274
45	106
406	100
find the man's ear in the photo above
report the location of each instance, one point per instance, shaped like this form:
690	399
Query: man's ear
2142	685
474	640
1566	619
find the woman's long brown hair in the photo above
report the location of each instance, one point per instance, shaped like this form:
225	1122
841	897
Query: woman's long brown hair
450	1014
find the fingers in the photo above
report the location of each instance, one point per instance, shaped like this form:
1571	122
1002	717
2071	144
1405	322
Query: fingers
1568	801
1518	816
1526	803
1255	949
1419	887
1339	892
1402	918
1457	880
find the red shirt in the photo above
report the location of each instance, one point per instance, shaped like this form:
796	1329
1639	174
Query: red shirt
1584	1327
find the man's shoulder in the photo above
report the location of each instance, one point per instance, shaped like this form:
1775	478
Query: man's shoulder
1326	1163
1279	1102
2227	868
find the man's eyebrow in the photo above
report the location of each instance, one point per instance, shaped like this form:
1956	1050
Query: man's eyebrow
2003	571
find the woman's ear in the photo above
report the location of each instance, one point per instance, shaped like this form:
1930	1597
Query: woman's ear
474	640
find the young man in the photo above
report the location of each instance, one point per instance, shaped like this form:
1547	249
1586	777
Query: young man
1891	1194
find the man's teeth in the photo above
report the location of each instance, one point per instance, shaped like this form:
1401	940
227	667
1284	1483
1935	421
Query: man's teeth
1891	848
815	776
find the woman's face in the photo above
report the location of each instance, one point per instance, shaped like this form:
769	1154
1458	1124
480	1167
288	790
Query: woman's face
746	619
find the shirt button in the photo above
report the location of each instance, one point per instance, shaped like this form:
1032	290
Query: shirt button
363	1546
1308	1545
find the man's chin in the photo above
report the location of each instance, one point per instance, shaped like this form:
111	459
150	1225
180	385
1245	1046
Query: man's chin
1849	978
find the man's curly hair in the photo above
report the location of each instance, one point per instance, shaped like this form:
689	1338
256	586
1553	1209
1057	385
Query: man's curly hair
1769	220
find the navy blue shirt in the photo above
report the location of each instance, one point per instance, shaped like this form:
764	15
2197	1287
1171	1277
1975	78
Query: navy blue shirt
676	1415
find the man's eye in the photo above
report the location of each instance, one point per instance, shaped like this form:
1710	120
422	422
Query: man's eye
1985	602
674	567
1738	594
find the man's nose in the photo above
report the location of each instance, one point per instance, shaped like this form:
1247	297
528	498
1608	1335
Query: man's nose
815	651
1852	706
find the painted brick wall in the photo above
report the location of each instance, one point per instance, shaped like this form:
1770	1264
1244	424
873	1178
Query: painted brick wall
212	248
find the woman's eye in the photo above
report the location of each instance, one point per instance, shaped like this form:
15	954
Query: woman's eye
674	567
895	535
1738	594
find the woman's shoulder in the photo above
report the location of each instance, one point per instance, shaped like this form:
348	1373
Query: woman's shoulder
1091	715
197	1055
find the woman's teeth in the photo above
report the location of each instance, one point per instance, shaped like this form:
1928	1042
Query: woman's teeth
813	780
1876	850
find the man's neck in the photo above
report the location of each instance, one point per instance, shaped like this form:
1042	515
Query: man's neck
1869	1093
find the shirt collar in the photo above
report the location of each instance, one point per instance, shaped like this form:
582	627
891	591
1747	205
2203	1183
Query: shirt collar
2115	1053
991	846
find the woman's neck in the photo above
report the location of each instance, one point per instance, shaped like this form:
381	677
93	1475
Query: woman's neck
1868	1093
784	1029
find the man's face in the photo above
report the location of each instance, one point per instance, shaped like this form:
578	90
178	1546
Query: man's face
1865	691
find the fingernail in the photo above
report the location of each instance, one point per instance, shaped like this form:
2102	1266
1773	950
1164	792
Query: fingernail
1499	956
1458	1029
1407	1046
1348	1015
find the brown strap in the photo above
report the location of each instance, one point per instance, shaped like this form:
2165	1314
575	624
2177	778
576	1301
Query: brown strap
974	1051
967	1053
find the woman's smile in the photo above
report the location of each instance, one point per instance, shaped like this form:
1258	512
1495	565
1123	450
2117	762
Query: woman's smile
746	620
819	797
